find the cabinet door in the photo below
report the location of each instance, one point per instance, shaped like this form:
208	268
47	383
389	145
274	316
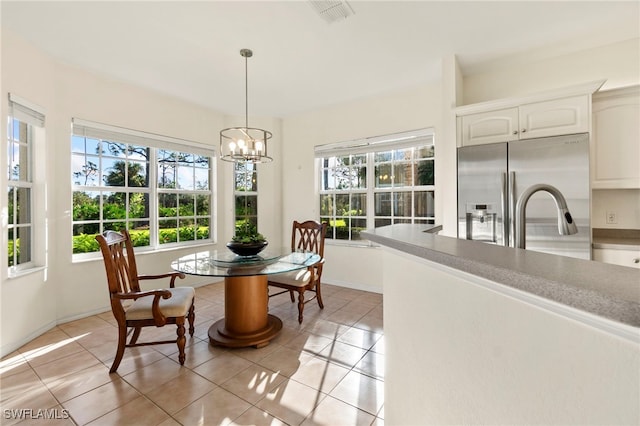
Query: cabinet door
490	127
616	141
618	257
556	117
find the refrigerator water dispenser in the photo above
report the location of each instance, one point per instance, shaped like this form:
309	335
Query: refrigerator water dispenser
481	223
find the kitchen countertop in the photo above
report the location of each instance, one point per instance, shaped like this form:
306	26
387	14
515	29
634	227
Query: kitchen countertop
616	239
605	290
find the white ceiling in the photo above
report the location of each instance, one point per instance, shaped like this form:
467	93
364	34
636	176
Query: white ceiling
191	49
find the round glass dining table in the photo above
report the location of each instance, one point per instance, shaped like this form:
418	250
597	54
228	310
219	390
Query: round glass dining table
246	321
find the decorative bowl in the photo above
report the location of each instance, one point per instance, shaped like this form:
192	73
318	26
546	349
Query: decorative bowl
246	249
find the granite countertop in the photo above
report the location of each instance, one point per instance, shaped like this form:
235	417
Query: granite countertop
616	239
609	291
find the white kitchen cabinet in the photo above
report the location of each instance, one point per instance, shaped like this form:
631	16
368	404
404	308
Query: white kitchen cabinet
490	127
615	155
618	257
554	117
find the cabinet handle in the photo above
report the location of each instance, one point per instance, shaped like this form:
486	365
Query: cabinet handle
636	260
515	132
523	130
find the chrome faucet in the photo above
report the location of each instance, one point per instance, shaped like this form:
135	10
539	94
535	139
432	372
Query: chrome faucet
566	225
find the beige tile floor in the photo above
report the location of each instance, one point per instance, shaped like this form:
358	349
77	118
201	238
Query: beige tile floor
327	371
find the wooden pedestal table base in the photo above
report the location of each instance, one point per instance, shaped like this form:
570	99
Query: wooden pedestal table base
246	321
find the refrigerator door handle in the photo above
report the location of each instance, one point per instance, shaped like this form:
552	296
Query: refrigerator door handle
512	208
504	201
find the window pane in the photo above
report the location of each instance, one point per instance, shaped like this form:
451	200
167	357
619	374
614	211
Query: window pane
168	232
357	225
114	149
246	205
138	153
186	178
328	180
341	228
90	229
167	205
23	206
86	205
326	205
402	154
113	172
139	231
342	204
383	176
201	179
24	244
424	173
186	205
85	170
10	204
114	205
358	204
424	204
359	180
425	152
382	222
202	205
383	156
138	205
203	228
402	204
402	175
137	174
382	201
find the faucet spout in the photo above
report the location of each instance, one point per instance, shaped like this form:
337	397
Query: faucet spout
566	224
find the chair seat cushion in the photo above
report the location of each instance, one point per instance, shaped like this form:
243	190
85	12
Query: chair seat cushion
176	306
298	278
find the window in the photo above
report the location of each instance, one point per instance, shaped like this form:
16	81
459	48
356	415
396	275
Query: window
25	126
246	193
376	182
157	188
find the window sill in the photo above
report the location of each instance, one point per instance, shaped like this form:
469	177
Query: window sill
23	272
92	257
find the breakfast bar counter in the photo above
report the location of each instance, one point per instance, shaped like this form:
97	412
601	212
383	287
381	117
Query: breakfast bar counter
604	290
482	334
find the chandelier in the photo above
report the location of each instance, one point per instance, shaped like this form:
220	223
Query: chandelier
245	144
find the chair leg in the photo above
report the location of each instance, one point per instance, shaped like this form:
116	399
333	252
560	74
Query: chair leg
191	317
181	341
319	296
291	295
136	334
122	342
300	305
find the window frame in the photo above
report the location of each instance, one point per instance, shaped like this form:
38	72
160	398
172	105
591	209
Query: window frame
246	194
370	148
31	116
154	145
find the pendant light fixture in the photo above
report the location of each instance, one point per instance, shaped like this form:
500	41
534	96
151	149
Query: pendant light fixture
245	144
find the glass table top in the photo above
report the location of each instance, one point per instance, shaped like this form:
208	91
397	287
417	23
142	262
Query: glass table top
224	263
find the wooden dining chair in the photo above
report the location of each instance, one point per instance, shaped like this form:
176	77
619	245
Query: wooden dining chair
308	236
133	308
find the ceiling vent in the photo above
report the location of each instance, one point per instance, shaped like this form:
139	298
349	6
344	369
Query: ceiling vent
332	11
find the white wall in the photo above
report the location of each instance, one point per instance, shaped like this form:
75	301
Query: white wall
65	290
624	202
618	63
460	353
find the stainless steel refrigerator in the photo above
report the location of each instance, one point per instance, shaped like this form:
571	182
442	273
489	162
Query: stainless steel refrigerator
526	194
